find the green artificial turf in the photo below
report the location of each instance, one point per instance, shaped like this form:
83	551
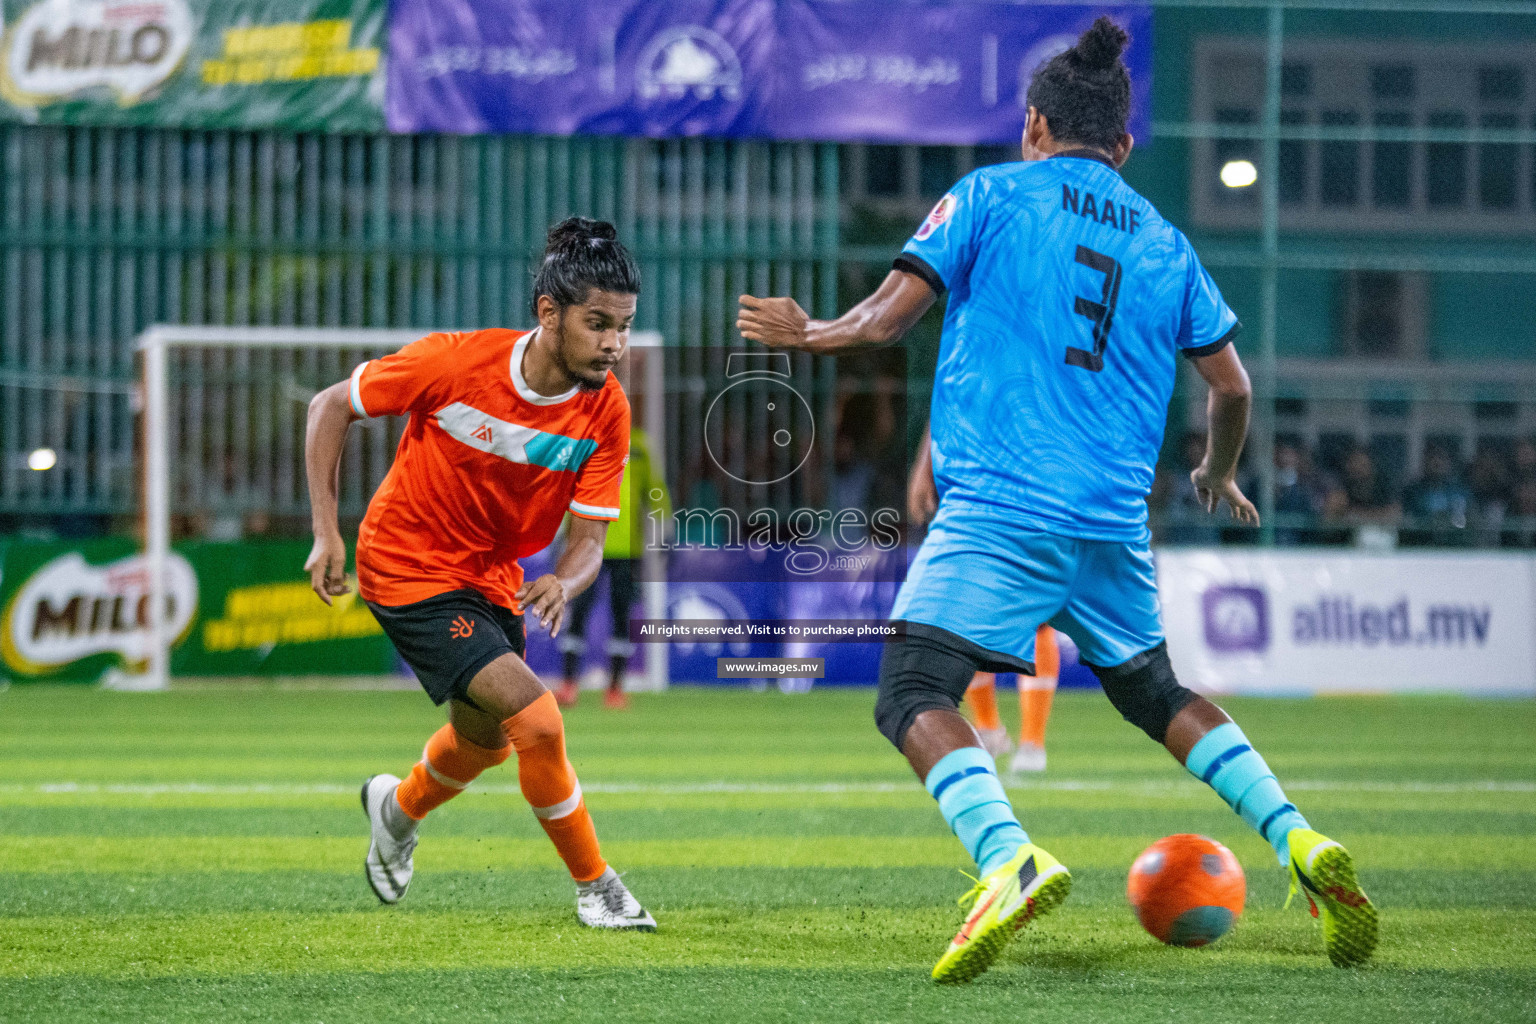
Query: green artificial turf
197	856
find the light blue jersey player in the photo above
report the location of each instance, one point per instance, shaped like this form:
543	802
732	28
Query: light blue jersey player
1070	301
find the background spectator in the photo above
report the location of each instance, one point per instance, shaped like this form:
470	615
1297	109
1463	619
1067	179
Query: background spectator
1491	502
1363	494
1525	460
1300	493
1488	480
1522	509
1438	503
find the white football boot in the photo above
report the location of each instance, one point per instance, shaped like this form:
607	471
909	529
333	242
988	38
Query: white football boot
389	866
607	903
1027	758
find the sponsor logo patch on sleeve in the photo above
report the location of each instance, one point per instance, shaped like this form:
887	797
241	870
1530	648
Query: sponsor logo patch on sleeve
941	213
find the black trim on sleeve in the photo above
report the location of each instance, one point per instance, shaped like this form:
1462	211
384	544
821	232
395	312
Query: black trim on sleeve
1215	346
913	264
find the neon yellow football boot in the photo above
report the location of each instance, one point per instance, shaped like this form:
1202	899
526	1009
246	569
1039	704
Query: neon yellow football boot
1323	871
1031	884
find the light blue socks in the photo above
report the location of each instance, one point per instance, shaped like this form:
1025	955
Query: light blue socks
1224	760
964	782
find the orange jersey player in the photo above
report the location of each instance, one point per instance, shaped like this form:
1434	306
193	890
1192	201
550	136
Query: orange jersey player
508	431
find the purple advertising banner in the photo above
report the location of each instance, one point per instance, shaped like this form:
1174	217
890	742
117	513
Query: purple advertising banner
873	70
930	73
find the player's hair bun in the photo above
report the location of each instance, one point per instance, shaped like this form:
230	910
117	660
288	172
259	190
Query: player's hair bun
576	231
581	254
1085	92
1099	48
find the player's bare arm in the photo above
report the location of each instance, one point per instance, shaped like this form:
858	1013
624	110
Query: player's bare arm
893	310
1227	408
325	433
546	597
922	492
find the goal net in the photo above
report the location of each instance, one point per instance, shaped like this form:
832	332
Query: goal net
224	412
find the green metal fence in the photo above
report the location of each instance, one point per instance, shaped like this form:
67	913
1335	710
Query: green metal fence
105	231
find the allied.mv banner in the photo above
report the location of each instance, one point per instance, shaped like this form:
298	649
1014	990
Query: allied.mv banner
1293	622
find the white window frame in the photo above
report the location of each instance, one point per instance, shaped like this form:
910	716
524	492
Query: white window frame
910	201
1446	80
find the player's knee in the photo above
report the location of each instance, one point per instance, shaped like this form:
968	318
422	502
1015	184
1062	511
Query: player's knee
890	715
917	675
1145	691
538	725
542	733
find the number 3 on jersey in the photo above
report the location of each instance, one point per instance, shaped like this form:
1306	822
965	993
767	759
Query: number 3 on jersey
1102	312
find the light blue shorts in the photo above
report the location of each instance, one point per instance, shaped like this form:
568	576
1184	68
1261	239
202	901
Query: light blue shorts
994	584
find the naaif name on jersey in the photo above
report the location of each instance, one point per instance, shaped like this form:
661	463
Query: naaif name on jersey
1085	204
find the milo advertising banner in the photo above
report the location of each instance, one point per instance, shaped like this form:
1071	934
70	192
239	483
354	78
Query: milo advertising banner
79	612
303	65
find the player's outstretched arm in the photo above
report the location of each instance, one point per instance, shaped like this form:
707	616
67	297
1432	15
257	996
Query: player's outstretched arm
545	598
330	414
1227	409
894	308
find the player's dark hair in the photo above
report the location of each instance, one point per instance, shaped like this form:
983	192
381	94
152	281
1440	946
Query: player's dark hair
581	254
1085	92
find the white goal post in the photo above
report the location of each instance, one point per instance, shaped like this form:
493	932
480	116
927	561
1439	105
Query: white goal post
223	412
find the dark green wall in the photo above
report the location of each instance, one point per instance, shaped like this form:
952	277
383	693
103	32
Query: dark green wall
1482	316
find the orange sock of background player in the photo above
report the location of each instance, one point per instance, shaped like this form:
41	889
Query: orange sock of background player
1035	694
982	696
448	764
549	785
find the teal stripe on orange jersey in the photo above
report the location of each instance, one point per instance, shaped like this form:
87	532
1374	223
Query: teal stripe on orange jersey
514	442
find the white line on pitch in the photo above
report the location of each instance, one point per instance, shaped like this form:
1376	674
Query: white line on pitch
684	788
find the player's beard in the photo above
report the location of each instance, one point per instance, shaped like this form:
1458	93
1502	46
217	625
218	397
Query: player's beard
592	380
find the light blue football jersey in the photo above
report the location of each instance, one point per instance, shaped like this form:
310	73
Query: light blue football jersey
1070	297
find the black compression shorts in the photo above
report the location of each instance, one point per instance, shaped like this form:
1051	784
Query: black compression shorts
448	638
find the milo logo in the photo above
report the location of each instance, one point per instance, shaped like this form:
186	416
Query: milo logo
59	48
70	609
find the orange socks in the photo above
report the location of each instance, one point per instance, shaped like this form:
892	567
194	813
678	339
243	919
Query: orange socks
451	762
448	764
1035	694
549	785
982	696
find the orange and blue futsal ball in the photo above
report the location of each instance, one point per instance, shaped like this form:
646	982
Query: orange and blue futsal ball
1187	890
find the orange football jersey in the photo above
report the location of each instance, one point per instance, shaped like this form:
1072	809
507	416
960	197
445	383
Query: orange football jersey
486	468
